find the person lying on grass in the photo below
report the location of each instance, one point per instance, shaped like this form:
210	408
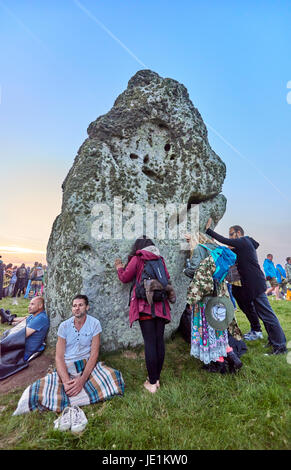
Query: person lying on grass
37	326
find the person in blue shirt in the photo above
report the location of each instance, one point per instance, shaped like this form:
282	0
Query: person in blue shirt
37	325
271	276
281	278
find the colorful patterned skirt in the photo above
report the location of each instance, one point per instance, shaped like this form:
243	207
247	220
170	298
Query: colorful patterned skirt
207	344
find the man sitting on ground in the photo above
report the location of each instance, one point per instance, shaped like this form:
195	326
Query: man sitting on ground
78	339
37	325
78	379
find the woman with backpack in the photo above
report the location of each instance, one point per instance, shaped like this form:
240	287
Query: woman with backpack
152	315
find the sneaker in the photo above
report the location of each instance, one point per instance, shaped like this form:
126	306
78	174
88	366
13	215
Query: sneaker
14	301
79	420
276	352
63	423
253	335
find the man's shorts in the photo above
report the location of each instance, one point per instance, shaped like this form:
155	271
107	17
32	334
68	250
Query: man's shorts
273	281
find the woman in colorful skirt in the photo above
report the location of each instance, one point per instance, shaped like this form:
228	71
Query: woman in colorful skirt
209	345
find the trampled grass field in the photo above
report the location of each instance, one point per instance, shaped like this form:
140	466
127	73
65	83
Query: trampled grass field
192	410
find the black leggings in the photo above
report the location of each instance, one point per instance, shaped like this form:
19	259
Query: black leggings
154	346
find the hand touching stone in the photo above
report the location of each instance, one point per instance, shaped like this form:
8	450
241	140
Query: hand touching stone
209	223
118	263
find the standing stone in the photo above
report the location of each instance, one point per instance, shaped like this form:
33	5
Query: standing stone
151	148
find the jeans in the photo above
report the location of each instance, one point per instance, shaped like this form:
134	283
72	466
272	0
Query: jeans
229	288
261	308
264	310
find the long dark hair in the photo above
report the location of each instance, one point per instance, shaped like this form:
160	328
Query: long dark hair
139	244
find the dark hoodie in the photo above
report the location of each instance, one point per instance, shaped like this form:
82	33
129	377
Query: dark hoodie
252	277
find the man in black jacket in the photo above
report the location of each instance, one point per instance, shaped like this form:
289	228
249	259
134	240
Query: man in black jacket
253	282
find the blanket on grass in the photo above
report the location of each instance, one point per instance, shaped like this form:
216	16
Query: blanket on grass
48	393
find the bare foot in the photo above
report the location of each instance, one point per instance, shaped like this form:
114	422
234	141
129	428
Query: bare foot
150	387
157	382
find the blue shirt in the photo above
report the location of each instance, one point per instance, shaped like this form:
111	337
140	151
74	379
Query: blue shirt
78	343
269	268
33	343
281	273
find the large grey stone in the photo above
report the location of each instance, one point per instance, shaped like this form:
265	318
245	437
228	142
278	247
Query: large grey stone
150	148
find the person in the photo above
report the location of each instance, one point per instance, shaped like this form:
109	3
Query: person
78	379
12	282
282	281
78	339
1	277
209	345
271	276
288	276
253	283
152	328
37	326
36	276
25	341
288	268
21	282
234	279
7	278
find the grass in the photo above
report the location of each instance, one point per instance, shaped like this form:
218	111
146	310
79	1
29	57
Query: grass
192	410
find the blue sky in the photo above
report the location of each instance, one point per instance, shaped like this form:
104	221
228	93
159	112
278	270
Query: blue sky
63	64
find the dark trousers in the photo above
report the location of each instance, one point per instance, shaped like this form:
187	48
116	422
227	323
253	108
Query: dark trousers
154	346
229	287
265	312
19	287
247	307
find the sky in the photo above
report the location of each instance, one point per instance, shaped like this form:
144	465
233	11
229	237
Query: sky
64	63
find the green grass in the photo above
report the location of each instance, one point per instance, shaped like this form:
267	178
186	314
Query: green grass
192	410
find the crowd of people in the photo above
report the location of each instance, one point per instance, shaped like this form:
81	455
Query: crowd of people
221	277
17	280
278	278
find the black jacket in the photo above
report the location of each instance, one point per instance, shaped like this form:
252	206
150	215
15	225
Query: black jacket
252	277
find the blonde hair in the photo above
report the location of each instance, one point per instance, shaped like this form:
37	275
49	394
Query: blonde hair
202	238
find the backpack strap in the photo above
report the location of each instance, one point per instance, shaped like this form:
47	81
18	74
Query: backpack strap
204	246
131	289
215	252
158	270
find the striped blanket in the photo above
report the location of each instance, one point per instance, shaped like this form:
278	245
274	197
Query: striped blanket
48	393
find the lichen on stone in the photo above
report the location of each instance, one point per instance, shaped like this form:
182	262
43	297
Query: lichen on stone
150	148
